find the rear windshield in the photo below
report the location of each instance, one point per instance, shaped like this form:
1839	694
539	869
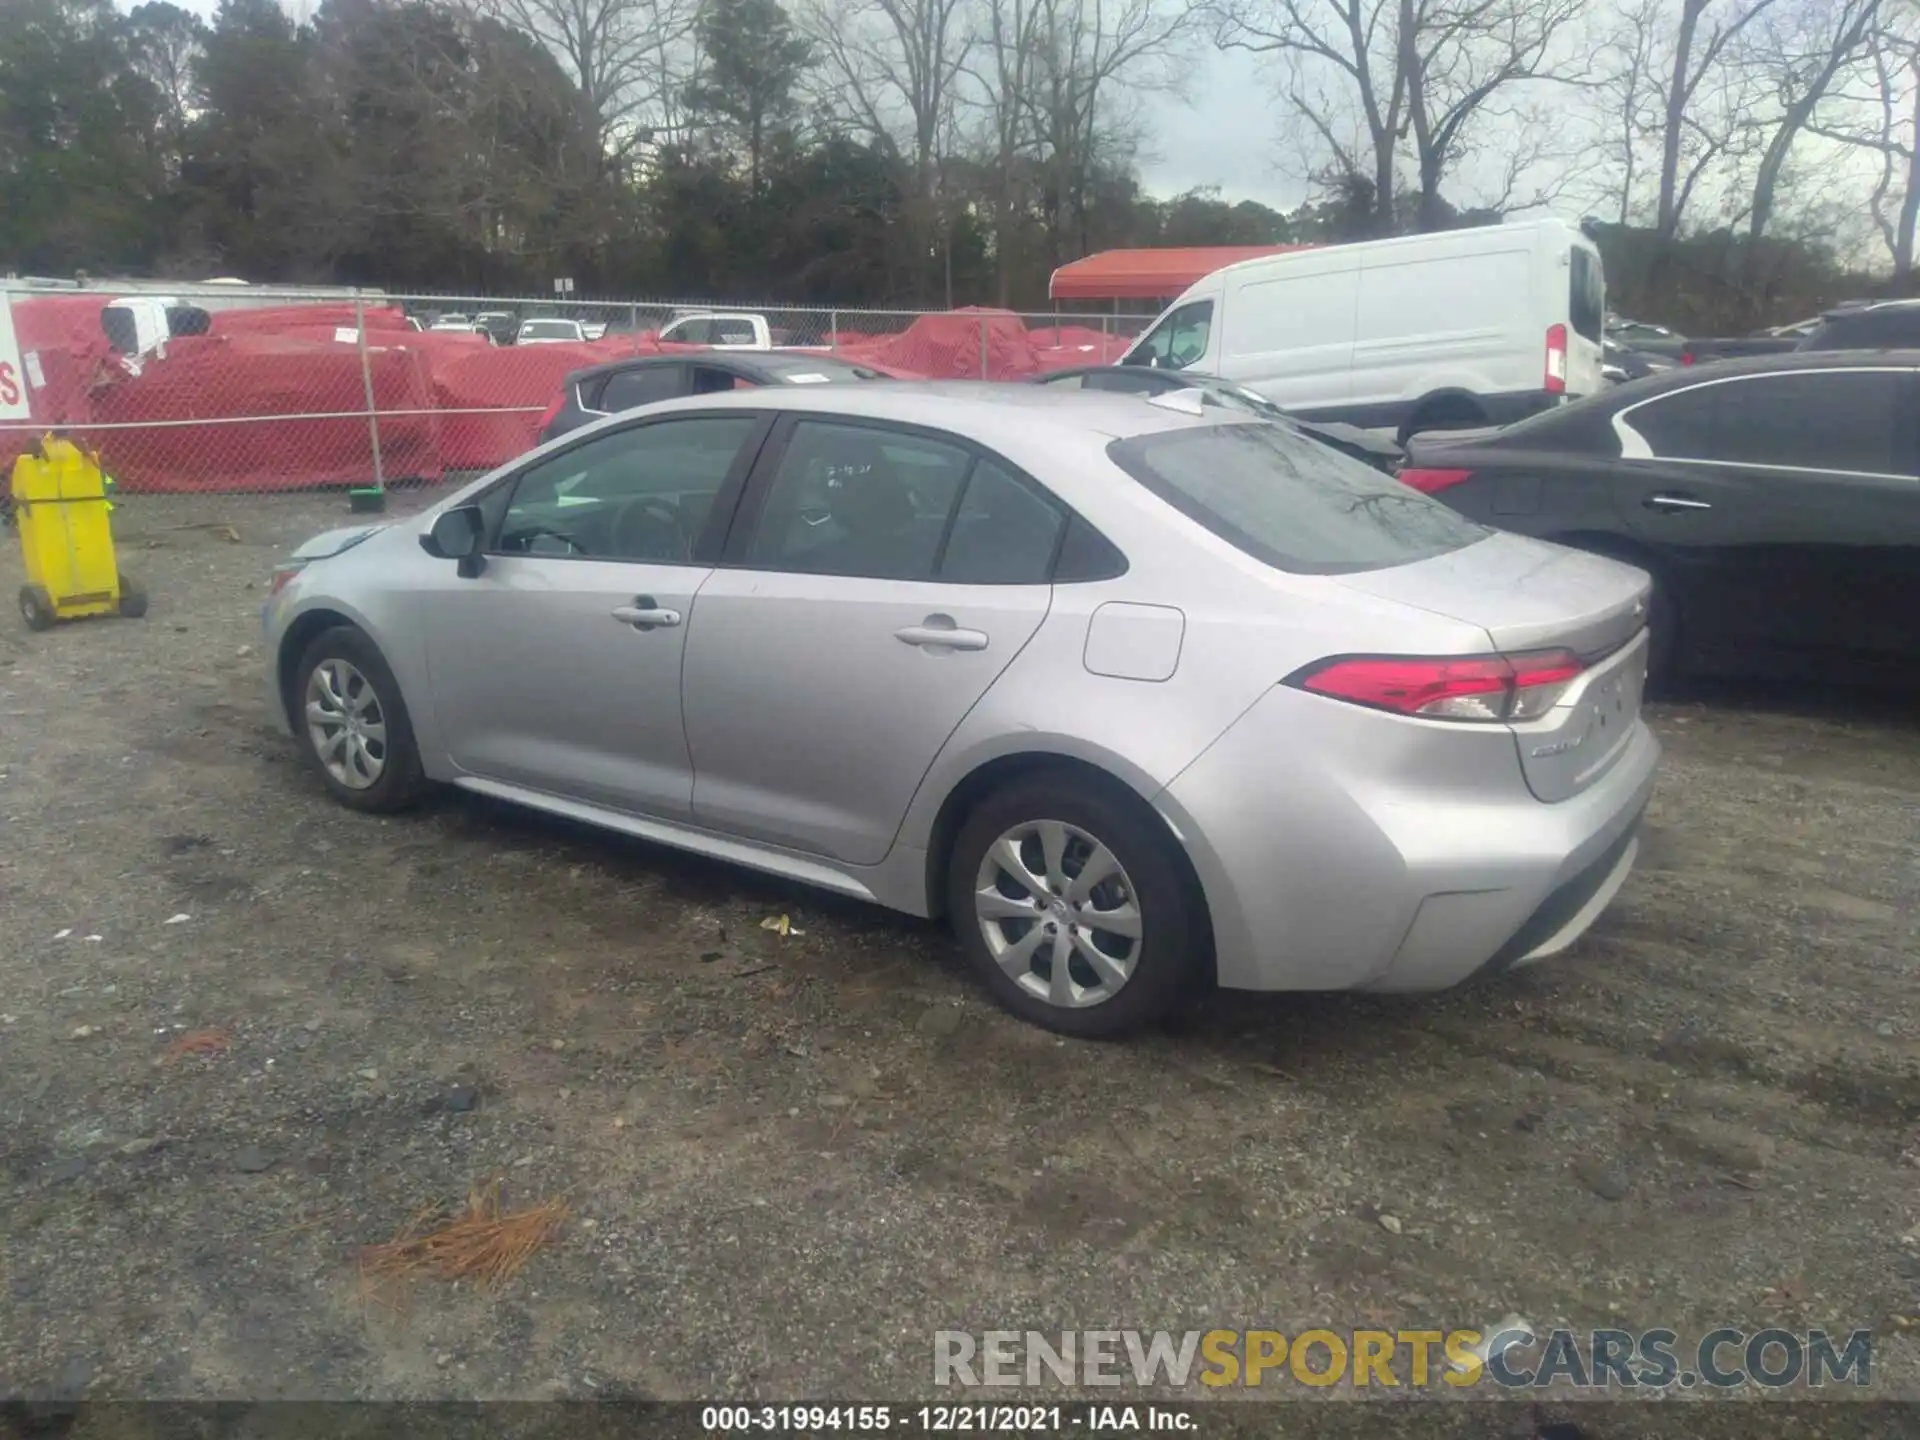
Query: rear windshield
550	330
1289	502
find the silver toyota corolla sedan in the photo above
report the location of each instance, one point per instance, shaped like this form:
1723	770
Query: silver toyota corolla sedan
1144	695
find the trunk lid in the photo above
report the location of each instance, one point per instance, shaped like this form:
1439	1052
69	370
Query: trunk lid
1528	595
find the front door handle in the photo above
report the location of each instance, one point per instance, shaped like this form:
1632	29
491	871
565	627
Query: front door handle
938	632
645	613
1675	502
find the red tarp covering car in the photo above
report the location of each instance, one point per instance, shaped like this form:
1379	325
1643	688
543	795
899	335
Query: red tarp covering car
219	411
312	429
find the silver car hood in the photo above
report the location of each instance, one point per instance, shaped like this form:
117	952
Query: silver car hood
1526	594
332	542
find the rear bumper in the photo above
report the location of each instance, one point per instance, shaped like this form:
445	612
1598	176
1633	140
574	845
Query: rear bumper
1344	861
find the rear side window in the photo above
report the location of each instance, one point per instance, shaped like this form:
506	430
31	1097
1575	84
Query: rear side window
628	388
1291	503
1814	420
1587	304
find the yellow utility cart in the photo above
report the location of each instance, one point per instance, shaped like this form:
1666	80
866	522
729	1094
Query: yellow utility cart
60	502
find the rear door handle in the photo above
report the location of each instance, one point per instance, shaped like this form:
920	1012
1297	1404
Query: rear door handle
938	632
1675	502
645	613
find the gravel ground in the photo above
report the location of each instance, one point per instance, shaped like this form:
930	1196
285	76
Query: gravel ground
791	1159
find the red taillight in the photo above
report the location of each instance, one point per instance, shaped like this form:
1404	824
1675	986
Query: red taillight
1556	359
1449	687
1426	480
1686	357
552	411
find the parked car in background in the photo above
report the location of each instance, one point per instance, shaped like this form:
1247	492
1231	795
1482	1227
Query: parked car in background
601	390
1141	699
1631	332
453	321
734	331
1875	325
1456	329
1775	501
549	332
594	327
1625	363
1363	445
499	324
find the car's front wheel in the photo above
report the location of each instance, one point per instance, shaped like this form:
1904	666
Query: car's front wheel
1074	907
353	725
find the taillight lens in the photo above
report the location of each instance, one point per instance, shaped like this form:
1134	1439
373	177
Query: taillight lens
1477	688
552	411
1427	480
281	575
1556	360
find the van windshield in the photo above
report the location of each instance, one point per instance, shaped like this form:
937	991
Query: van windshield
1587	302
1177	341
1289	502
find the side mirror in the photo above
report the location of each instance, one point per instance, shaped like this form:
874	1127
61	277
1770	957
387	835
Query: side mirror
456	535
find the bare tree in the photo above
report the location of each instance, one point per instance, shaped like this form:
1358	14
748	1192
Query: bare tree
628	58
1093	58
1001	75
1805	47
1697	64
1886	121
1367	75
891	70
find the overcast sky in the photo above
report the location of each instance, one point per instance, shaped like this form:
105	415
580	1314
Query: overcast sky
1226	136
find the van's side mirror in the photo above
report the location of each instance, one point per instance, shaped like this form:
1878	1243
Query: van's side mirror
457	535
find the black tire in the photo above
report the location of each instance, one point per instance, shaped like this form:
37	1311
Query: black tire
1455	412
36	607
400	781
1167	960
133	600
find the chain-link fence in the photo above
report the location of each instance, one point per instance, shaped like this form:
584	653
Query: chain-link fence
249	389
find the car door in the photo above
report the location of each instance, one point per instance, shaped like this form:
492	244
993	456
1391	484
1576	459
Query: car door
878	582
557	667
1790	504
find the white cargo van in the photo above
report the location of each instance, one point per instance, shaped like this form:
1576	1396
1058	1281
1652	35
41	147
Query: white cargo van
1455	329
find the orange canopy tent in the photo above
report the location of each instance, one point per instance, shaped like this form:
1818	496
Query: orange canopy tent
1150	274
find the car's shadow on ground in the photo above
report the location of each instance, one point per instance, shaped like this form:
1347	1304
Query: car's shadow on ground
1800	699
1265	1031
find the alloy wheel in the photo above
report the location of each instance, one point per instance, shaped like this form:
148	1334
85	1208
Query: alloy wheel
346	724
1058	913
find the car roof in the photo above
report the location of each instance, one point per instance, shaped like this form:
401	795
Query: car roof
1682	376
997	414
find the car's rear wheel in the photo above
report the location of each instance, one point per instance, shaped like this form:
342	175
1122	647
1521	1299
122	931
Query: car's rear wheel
1074	907
353	723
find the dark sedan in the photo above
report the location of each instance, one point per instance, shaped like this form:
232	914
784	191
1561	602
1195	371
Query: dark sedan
1363	445
1775	501
602	390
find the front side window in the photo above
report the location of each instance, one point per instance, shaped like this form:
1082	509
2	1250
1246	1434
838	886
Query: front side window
1289	502
641	494
1178	341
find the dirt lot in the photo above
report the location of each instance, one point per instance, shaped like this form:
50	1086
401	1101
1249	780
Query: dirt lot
792	1159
